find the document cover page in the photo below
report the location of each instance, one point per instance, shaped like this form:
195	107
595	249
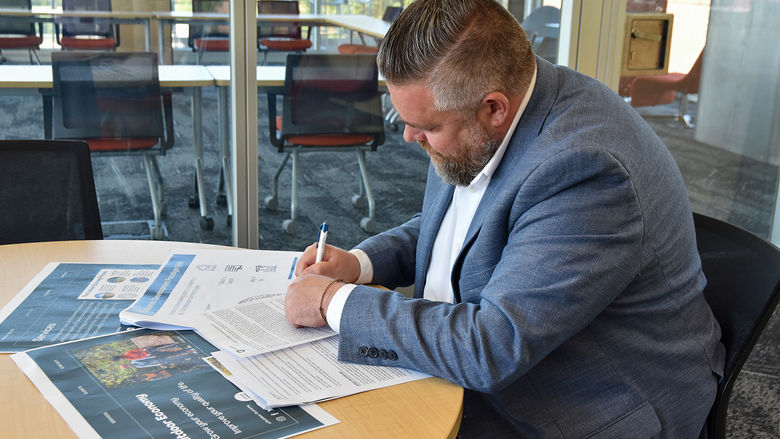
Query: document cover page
70	301
147	384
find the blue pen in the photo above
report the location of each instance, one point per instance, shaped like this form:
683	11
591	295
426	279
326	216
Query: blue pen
322	236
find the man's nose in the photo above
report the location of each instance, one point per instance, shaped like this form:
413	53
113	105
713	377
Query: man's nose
412	134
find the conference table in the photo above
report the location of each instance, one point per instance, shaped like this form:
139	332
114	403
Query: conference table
429	408
362	24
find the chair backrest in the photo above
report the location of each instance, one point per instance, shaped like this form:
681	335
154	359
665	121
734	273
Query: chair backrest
16	27
208	30
391	13
72	27
108	95
48	192
278	30
332	94
690	84
743	285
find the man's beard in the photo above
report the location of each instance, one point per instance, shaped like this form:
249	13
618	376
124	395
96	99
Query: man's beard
471	156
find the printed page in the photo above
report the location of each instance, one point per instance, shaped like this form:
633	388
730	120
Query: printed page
254	327
193	282
68	301
154	382
307	373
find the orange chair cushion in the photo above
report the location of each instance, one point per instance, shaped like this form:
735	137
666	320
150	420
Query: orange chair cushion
288	45
87	43
326	139
654	90
121	144
357	49
28	41
213	44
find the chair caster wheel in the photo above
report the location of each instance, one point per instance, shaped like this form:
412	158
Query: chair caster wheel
221	200
367	224
206	223
358	200
193	202
288	226
271	203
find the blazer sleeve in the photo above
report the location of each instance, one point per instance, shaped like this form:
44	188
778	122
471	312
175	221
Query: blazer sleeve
549	257
392	254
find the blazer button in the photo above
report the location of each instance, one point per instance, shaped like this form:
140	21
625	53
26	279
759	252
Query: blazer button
362	351
391	355
373	352
382	354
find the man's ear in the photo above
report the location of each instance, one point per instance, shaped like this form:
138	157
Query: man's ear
494	109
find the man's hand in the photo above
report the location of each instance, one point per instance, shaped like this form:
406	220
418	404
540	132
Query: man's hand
336	263
308	297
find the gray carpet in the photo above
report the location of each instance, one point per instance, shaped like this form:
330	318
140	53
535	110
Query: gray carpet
720	184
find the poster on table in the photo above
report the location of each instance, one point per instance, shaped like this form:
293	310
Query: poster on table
70	301
146	383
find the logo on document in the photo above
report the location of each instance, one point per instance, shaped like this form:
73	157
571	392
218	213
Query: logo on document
207	267
233	268
265	268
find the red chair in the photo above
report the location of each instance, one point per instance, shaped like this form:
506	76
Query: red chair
113	101
209	38
20	35
331	103
280	36
661	89
84	33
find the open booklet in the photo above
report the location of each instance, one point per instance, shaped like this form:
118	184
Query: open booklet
232	298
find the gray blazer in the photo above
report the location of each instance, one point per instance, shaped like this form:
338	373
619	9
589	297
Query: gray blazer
578	289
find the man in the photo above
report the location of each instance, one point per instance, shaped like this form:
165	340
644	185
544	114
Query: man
554	260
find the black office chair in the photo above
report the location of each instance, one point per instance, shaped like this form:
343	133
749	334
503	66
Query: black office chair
77	33
209	37
280	36
113	101
330	103
743	288
18	34
48	192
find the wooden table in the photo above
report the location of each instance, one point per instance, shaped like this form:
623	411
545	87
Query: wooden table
428	408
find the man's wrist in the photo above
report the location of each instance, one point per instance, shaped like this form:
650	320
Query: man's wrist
327	295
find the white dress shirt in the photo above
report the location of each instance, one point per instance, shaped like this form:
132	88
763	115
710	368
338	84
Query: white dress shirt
449	239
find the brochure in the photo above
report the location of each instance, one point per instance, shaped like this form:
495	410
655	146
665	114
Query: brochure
148	384
69	301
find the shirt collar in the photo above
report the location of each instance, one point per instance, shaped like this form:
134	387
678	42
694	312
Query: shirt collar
490	168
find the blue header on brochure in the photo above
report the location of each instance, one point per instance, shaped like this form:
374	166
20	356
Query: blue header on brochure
154	297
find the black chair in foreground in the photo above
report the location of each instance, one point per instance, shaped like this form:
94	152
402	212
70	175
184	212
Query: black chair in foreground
743	285
48	192
330	103
113	101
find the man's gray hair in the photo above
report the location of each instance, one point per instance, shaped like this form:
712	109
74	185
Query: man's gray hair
461	49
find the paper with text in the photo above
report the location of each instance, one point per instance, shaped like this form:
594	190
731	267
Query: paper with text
307	373
232	298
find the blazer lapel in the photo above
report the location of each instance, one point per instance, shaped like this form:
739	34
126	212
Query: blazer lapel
440	196
528	128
